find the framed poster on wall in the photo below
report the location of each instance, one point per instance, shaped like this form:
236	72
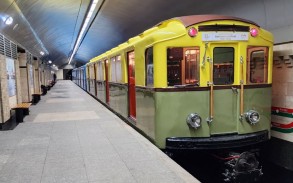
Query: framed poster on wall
11	79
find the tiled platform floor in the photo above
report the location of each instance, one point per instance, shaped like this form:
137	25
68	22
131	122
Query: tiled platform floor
70	137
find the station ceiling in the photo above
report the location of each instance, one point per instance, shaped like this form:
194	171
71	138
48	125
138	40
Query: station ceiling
52	26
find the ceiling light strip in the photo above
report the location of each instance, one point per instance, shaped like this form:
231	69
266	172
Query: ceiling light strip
83	29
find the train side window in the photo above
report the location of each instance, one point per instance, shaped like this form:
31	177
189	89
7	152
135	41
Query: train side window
257	65
118	69
113	69
182	66
89	71
93	71
100	73
149	67
223	70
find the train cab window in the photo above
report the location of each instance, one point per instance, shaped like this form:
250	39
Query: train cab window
149	67
183	66
223	70
118	69
113	69
257	65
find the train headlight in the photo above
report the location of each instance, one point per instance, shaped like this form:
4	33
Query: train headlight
253	32
192	32
193	120
252	117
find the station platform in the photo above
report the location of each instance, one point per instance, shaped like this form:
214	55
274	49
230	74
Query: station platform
71	137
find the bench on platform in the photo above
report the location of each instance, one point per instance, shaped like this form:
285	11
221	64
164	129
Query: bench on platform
36	97
21	110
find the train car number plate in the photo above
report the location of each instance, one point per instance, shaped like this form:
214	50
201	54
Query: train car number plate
225	36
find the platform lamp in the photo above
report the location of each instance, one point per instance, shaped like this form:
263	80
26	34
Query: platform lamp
8	20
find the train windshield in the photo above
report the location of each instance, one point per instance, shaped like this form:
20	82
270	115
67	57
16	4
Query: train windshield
183	66
257	65
223	71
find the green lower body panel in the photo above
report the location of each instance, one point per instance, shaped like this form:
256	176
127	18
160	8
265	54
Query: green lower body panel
172	109
162	115
145	112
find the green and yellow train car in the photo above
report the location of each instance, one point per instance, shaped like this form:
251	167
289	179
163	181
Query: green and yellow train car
193	82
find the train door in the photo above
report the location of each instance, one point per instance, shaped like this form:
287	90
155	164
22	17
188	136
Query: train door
223	95
131	84
107	80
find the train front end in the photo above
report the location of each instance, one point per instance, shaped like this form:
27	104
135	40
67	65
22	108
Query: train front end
213	85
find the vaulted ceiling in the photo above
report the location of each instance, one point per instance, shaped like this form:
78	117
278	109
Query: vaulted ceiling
52	26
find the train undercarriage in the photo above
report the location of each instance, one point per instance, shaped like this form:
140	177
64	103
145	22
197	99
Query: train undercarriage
226	166
222	159
241	167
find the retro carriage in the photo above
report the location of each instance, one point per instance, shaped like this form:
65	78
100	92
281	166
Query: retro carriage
192	83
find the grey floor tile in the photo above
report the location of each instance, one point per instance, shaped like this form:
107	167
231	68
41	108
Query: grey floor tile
101	153
157	178
120	141
136	151
108	170
122	179
64	171
8	144
22	171
94	141
63	155
147	167
31	142
65	178
28	155
4	156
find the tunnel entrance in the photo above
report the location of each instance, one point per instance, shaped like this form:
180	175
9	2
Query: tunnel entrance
67	74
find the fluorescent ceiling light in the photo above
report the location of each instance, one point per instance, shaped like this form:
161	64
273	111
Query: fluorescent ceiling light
83	29
50	61
8	20
42	53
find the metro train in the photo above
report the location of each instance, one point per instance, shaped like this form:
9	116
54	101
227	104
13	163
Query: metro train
200	82
79	77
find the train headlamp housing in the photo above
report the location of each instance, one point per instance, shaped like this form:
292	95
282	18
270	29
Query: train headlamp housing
193	120
252	117
192	32
253	32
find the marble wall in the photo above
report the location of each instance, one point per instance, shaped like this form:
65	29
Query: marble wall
25	90
283	76
18	82
37	82
5	107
